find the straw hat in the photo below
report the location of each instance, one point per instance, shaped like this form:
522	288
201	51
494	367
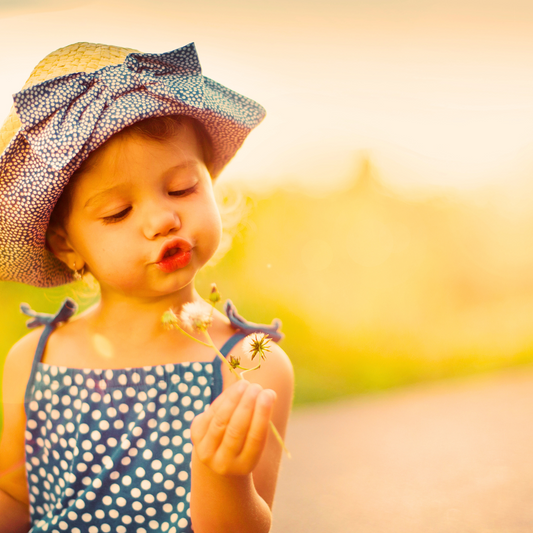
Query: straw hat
75	99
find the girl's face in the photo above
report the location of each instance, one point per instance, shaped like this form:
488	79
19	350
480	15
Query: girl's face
144	219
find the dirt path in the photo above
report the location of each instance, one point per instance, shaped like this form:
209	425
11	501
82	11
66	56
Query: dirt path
452	457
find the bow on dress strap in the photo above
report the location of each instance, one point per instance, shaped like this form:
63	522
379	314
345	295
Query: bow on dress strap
50	322
68	308
247	327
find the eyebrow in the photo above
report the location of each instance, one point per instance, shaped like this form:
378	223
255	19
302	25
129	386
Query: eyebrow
106	192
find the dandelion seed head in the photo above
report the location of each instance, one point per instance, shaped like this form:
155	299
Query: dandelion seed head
195	316
257	344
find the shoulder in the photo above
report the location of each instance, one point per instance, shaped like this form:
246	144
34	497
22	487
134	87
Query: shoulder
276	371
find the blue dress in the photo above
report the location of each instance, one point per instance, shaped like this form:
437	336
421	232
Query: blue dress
110	450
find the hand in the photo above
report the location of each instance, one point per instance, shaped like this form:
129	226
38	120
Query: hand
230	435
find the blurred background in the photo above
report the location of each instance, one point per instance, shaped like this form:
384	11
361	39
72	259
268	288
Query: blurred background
383	210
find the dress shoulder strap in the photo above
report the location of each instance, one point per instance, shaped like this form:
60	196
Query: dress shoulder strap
243	328
50	322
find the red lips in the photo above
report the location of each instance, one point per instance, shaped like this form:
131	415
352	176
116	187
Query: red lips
175	254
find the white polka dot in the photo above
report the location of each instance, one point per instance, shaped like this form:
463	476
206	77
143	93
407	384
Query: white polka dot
140	472
169	484
130	391
115	489
126	480
106	528
113	513
72	515
147	454
121	529
95	435
103	425
149	498
178	458
80	504
176	424
117	395
170	469
167	508
123	408
161	496
135	492
156	465
121	502
111	412
96	397
180	491
183	475
187	448
186	401
137	506
189	415
150	380
107	500
182	522
145	484
167	454
158	477
153	524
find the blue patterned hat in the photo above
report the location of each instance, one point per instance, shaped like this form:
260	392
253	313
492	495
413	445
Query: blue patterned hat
75	100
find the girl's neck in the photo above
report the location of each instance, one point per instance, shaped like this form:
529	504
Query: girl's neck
135	319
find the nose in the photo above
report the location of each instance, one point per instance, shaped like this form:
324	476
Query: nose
160	219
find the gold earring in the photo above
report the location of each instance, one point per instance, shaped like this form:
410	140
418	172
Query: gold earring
77	274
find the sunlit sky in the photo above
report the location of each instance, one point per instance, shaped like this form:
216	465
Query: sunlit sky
438	92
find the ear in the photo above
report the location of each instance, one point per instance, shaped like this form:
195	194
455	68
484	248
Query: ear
58	243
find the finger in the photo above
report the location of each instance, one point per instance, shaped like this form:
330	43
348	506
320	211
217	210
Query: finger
239	424
219	418
201	422
259	427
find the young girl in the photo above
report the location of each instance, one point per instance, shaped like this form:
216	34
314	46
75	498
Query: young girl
113	423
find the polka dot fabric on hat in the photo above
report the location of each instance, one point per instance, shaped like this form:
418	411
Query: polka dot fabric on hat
110	450
64	119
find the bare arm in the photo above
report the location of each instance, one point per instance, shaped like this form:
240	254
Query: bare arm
14	505
236	458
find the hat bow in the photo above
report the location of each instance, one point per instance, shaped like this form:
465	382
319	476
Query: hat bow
59	116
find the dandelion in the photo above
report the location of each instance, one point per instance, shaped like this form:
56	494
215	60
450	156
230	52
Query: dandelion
234	361
214	296
195	317
257	344
169	319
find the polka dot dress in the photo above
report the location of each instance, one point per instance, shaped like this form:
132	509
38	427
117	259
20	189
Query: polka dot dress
110	450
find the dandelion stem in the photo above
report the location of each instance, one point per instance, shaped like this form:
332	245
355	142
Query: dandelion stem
217	351
177	326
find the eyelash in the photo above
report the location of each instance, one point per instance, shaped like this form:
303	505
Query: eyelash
117	217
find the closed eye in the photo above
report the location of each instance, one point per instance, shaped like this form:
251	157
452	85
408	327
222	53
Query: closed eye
117	217
184	192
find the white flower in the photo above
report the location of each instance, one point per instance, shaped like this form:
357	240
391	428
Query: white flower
256	343
195	316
